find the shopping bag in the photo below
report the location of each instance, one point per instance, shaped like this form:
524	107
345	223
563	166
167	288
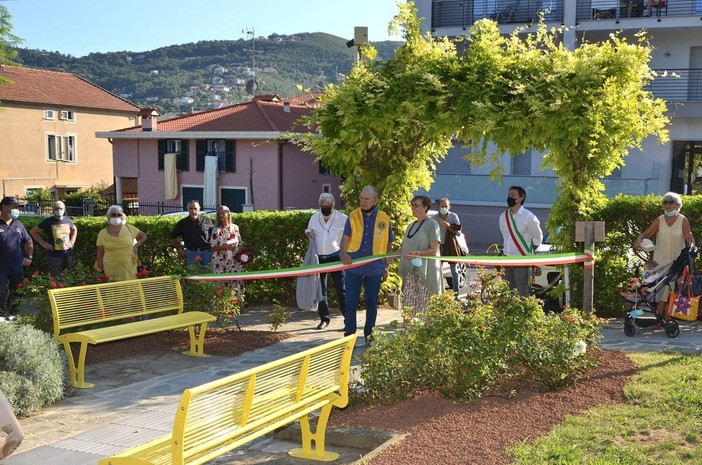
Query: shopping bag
683	305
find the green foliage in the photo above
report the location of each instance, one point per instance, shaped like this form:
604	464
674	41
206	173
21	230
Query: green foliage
40	196
32	368
35	308
217	298
658	425
386	123
278	316
92	192
7	41
464	353
311	60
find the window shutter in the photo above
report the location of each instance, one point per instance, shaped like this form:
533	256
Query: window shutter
184	156
230	156
200	151
161	153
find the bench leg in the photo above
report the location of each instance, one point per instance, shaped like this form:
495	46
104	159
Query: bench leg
197	340
76	370
307	451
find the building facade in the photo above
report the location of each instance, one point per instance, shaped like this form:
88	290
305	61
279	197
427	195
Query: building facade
48	122
675	32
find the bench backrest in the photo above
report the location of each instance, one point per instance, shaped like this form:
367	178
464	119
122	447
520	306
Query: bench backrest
218	416
98	303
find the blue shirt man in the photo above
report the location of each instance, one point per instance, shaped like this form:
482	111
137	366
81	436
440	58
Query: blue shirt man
367	232
16	250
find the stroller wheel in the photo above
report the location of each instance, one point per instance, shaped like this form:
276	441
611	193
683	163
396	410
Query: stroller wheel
672	329
629	328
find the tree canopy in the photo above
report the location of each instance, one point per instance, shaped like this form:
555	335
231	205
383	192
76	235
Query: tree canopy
7	41
388	123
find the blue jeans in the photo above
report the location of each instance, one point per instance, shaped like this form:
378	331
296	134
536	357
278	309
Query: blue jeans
371	285
205	257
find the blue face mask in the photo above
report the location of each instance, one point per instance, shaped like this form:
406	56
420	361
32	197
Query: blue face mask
416	261
14	213
443	210
671	213
58	213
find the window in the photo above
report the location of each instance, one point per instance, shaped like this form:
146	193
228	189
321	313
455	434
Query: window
49	115
224	149
177	146
61	148
67	115
326	188
521	164
323	169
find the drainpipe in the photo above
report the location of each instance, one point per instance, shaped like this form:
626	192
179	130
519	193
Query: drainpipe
280	174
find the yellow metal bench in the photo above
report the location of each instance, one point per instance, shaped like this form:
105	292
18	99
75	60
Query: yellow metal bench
112	311
219	416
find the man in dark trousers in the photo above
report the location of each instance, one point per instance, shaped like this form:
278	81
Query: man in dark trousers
57	235
194	231
16	248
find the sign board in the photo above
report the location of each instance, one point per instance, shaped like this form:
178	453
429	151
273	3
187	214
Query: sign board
597	228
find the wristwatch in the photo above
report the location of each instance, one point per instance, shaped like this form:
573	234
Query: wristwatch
30	257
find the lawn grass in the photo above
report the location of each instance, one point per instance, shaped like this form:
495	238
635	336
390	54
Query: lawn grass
660	424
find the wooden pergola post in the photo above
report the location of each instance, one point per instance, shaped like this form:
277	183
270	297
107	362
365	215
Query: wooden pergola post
589	232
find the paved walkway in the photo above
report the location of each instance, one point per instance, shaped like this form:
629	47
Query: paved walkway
134	400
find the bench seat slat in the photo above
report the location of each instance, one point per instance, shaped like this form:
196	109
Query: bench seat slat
138	328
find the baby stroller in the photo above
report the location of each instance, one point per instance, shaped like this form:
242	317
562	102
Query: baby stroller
645	313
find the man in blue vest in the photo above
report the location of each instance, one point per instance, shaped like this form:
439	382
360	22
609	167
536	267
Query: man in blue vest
16	250
367	232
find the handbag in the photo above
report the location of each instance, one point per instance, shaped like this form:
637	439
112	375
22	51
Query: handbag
682	304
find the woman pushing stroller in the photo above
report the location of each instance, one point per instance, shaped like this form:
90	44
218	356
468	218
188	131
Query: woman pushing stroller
672	233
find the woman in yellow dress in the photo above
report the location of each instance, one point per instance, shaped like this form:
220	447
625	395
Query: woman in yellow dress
117	246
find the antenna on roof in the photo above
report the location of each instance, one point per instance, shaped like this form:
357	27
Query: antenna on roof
252	85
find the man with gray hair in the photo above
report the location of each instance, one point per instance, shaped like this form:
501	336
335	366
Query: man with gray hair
326	228
57	235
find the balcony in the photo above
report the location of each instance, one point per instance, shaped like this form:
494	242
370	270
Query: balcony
463	13
622	9
679	85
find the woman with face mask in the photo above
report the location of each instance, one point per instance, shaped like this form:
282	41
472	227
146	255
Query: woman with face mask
117	246
672	232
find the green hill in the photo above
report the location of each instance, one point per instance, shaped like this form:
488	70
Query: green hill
202	75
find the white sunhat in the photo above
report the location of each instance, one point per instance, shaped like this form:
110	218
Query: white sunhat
647	245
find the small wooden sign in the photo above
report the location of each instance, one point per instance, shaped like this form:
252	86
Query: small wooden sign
597	228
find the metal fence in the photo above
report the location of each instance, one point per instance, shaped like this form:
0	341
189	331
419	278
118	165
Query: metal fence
90	207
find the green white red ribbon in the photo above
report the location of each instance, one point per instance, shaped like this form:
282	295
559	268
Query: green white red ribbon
587	257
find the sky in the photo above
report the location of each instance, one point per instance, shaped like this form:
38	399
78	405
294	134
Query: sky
80	27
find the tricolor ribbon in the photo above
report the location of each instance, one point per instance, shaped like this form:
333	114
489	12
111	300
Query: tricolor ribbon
477	260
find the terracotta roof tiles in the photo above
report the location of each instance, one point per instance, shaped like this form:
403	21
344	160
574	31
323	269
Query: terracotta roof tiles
42	87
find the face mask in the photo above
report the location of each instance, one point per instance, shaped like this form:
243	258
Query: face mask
326	211
58	213
14	213
369	210
115	221
671	212
511	202
443	210
416	261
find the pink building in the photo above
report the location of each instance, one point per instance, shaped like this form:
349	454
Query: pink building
236	156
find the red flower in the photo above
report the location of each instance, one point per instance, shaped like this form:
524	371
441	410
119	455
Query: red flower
83	283
197	259
26	280
36	273
99	279
52	284
61	285
19	285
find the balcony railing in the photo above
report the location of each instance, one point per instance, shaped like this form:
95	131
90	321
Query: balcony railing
463	13
678	85
619	9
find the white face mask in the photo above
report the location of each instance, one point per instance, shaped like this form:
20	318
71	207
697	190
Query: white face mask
115	221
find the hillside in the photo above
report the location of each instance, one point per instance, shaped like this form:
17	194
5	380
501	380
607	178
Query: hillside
206	74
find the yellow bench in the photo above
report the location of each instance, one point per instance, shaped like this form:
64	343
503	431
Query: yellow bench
219	416
112	311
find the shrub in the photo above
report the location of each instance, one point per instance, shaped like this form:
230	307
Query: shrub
33	369
217	298
464	353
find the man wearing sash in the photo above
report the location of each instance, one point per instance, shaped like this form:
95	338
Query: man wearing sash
521	231
367	232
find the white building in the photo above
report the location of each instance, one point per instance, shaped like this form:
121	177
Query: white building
675	31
